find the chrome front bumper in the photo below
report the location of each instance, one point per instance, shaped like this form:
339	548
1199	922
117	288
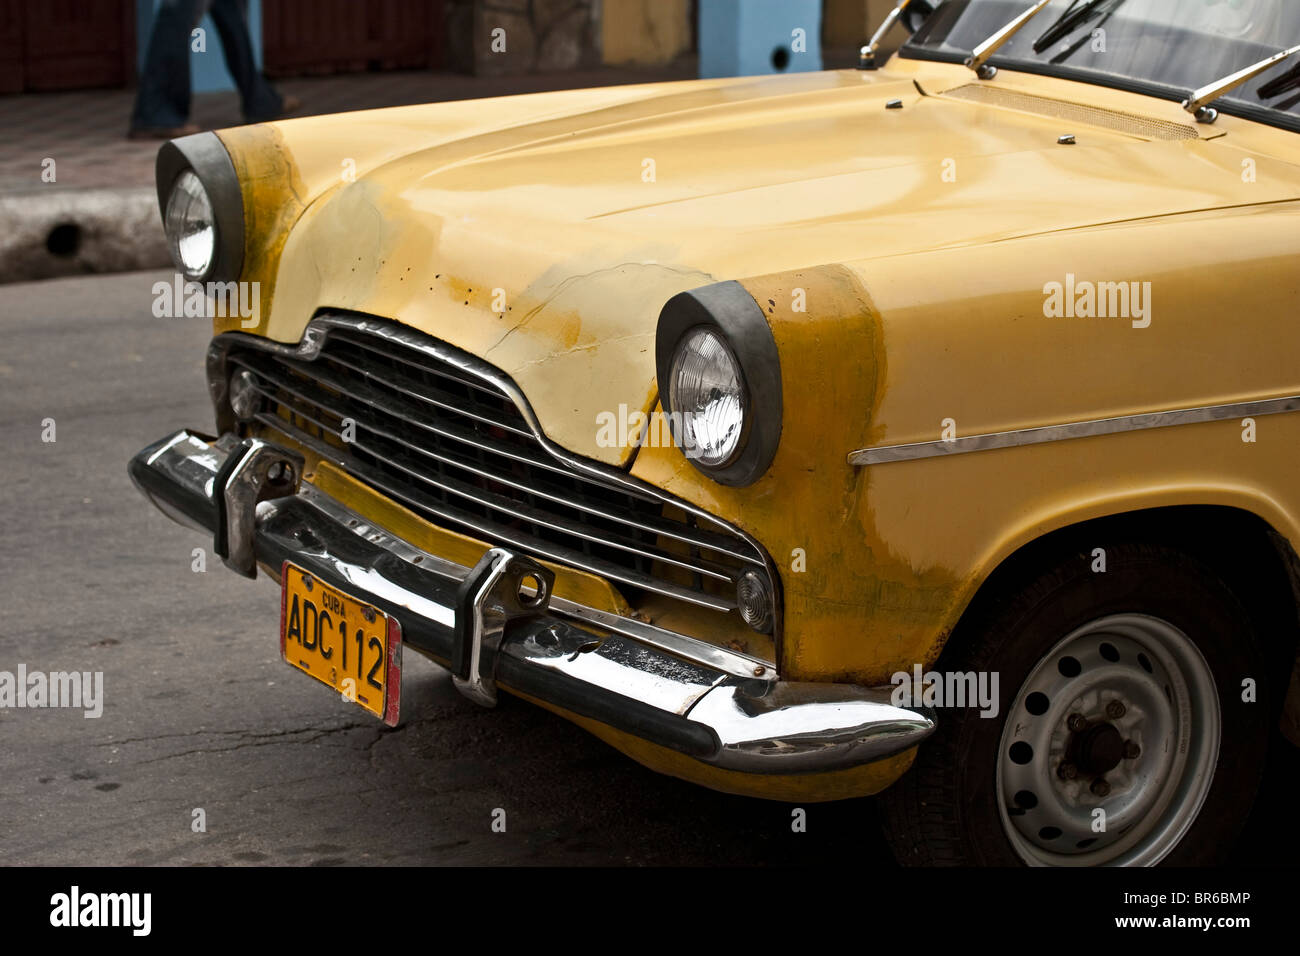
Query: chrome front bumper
714	705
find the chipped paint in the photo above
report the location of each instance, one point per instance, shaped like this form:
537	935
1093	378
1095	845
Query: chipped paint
930	309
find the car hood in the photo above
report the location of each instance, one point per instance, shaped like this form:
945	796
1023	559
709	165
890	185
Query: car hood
545	232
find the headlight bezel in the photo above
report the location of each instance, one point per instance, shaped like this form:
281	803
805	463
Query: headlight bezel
204	155
727	309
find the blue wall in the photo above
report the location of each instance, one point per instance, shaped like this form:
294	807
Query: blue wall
743	37
207	69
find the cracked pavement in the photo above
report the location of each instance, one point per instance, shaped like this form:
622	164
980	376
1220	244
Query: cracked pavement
200	712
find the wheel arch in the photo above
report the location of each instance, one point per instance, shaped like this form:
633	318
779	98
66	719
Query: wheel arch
1258	562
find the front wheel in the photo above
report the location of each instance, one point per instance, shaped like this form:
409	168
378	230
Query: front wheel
1122	734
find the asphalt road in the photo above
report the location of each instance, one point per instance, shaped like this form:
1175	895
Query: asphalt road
200	713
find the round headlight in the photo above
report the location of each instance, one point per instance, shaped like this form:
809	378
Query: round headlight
708	399
190	226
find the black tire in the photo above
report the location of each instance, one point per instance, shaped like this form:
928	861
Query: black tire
944	810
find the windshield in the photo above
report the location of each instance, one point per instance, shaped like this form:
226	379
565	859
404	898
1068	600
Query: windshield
1161	47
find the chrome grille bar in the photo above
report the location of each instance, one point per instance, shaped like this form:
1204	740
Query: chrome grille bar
494	501
423	503
304	392
438	432
394	383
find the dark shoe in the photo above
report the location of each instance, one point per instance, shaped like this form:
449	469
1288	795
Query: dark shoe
162	132
288	106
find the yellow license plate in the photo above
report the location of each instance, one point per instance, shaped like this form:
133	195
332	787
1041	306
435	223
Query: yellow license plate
352	646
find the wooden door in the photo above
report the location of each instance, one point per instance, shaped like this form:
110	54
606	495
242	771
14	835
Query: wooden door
343	36
66	44
11	46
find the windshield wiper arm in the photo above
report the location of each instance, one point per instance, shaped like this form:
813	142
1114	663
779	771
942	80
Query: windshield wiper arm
1069	21
867	55
979	57
1197	103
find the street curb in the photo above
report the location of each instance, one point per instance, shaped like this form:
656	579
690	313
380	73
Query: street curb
63	232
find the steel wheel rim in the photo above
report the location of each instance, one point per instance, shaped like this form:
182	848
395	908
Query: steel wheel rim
1170	711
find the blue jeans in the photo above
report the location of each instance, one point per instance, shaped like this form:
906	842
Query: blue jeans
163	101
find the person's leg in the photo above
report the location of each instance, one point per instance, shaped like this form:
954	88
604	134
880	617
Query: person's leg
260	100
163	100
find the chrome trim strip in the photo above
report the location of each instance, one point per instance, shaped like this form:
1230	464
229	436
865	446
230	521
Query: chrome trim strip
732	663
634	672
1048	433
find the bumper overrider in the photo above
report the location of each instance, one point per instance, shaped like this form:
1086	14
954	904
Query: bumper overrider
666	689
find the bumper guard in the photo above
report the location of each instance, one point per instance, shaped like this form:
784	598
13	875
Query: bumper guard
498	622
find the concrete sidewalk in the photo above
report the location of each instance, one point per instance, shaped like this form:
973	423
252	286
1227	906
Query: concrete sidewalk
99	214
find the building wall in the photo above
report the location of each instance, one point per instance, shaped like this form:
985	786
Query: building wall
754	37
66	44
492	37
539	36
657	31
849	23
645	32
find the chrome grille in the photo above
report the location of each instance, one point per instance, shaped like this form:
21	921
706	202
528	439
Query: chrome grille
454	447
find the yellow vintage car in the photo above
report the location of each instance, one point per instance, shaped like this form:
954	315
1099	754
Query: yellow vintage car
928	428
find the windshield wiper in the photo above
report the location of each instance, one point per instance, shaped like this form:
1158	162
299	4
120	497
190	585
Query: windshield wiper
1197	103
979	57
1069	21
1289	80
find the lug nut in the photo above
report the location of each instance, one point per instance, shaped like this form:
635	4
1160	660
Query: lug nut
1100	787
1131	750
1077	722
1067	771
1114	710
